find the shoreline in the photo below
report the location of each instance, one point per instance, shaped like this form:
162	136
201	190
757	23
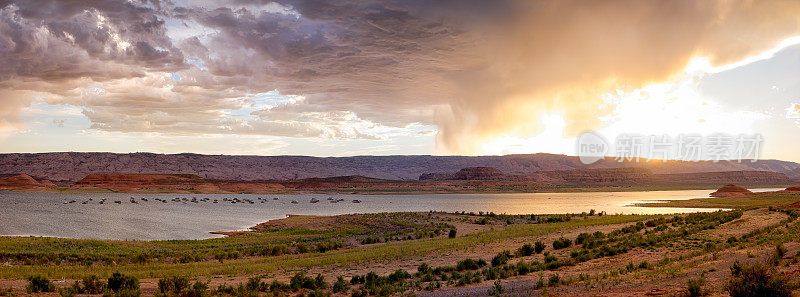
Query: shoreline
409	191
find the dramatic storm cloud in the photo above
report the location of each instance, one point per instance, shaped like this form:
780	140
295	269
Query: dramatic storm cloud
370	70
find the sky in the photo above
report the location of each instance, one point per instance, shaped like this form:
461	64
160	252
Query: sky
369	77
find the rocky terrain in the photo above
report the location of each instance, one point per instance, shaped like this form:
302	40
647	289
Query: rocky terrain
72	166
612	175
731	190
22	181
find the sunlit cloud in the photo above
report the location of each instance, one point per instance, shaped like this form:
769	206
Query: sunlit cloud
519	76
793	112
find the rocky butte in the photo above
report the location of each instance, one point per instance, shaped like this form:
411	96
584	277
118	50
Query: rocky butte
72	167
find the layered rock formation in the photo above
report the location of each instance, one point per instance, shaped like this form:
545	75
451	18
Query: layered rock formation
72	167
763	177
613	176
603	175
176	182
23	181
117	178
131	182
731	190
479	173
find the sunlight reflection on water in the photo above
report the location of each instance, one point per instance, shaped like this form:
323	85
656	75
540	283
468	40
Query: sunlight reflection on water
43	214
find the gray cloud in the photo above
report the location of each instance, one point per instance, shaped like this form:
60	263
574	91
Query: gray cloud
477	69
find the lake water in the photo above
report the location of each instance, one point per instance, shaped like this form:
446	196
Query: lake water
40	214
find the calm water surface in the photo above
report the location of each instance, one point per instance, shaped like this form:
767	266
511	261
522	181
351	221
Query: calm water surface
45	214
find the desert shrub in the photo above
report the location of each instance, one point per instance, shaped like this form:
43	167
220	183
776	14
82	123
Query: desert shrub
239	291
550	258
524	268
357	279
276	286
199	289
255	284
92	285
340	285
538	247
37	284
179	287
7	292
174	285
496	289
525	250
319	282
470	264
561	243
756	280
695	288
328	245
359	293
70	291
540	283
318	293
120	282
301	281
780	250
423	268
501	258
399	275
452	233
645	265
302	248
370	240
482	221
554	280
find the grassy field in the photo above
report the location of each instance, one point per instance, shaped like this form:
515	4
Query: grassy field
739	202
75	258
394	254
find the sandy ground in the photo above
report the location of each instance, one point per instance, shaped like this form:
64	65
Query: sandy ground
653	282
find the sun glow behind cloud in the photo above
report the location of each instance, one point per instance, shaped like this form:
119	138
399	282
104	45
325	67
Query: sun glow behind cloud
666	108
518	77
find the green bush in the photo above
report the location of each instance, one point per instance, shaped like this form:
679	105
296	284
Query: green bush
399	275
120	282
780	250
37	284
554	280
255	284
199	289
92	285
561	243
470	264
359	293
174	285
277	286
301	281
756	280
423	268
695	288
496	289
501	258
340	285
7	292
70	291
525	250
538	247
